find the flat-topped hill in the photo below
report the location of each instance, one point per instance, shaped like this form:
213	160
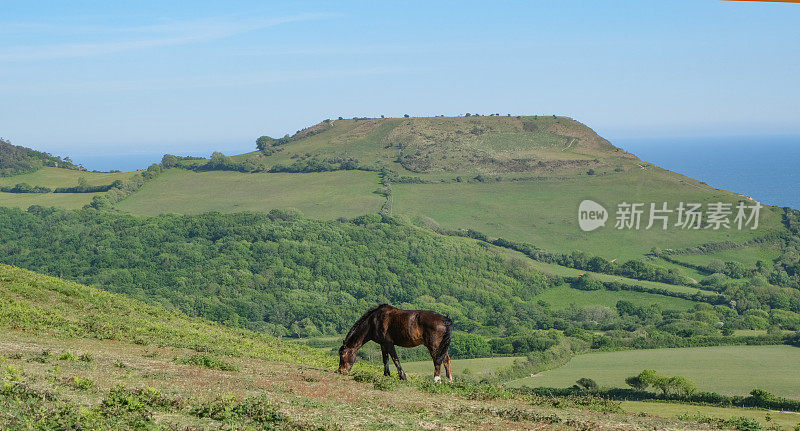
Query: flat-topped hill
485	145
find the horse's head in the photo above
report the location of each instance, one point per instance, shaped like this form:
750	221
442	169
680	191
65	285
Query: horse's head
347	356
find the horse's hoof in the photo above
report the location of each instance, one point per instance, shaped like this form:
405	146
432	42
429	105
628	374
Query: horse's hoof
437	379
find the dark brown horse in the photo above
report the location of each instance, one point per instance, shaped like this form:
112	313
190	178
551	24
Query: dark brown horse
389	327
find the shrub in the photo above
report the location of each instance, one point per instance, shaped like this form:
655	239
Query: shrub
80	383
67	356
207	361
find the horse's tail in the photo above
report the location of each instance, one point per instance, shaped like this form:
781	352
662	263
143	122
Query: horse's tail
445	343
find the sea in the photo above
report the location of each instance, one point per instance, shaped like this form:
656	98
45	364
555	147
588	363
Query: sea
766	168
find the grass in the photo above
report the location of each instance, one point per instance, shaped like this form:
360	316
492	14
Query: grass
544	212
52	178
441	147
137	376
477	367
42	304
748	256
153	392
784	420
57	177
318	195
553	269
70	201
538	206
561	297
732	370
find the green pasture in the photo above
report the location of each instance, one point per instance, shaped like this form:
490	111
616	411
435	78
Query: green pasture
52	178
732	370
748	256
60	200
318	195
561	297
545	212
563	271
783	420
57	177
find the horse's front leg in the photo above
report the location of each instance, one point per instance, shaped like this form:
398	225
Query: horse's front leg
385	356
396	361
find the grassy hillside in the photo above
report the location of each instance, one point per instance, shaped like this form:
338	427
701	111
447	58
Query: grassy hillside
545	212
516	177
519	178
465	145
34	303
75	357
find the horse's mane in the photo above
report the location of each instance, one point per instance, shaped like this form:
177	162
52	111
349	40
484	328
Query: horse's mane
361	324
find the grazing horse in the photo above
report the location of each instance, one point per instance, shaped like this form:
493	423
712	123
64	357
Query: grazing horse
389	326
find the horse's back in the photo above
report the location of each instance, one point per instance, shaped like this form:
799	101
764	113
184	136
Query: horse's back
410	328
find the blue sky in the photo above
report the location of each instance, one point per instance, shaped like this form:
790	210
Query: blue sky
82	77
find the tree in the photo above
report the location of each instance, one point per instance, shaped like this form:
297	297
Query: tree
587	383
677	385
405	115
465	345
169	161
636	383
264	142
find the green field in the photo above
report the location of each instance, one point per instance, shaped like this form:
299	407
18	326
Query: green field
544	212
561	297
52	178
748	256
563	271
732	370
477	366
318	195
70	201
783	420
55	177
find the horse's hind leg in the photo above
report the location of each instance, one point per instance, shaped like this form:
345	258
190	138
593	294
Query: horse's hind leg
437	364
447	367
385	356
393	354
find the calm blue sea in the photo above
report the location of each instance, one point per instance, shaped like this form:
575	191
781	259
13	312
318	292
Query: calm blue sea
766	168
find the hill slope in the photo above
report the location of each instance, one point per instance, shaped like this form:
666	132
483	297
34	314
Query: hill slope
520	178
67	360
